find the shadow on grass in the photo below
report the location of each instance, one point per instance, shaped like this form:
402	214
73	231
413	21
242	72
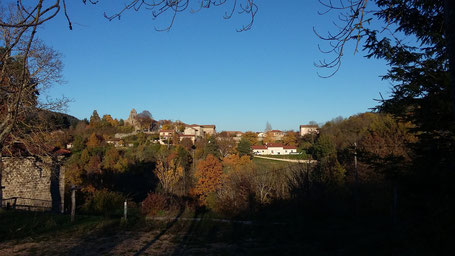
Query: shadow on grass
17	224
157	237
189	235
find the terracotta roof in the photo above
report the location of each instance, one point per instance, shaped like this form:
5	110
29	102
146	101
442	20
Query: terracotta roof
208	126
272	145
275	145
201	125
258	147
275	131
62	151
166	130
308	126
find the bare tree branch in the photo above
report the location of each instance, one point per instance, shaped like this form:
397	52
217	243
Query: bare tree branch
353	16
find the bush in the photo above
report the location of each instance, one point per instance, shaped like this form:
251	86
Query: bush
156	204
105	203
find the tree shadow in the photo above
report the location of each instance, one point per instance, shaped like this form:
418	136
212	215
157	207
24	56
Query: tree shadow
157	237
55	189
188	237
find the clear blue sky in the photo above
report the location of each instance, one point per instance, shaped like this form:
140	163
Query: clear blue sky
205	72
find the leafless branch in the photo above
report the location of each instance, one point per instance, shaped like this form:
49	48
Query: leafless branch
353	17
160	7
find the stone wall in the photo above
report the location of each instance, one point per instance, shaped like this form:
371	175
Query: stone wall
33	184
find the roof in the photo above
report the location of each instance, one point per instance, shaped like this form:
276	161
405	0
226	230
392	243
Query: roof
62	151
201	125
272	145
308	126
275	131
258	147
275	145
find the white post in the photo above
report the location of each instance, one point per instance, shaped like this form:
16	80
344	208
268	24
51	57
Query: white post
125	210
73	203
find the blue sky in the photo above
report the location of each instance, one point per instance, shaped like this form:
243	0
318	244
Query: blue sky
205	72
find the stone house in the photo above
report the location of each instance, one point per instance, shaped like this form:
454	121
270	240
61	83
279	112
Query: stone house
166	134
276	134
33	183
308	129
199	130
118	143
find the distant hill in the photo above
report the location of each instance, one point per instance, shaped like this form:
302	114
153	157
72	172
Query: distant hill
56	120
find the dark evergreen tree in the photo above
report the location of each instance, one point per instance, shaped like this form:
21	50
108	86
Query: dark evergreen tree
244	148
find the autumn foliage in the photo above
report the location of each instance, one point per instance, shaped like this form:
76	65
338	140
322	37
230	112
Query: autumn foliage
169	174
209	174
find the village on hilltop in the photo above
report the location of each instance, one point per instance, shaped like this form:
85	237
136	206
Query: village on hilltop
271	141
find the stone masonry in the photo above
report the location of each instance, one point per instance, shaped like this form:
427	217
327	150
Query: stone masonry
33	185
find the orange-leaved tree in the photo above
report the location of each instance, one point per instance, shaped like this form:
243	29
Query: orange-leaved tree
235	163
209	174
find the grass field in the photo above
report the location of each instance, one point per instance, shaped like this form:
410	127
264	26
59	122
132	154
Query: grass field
269	163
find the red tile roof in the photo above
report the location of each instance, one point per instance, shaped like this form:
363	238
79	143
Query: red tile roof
275	145
308	126
258	147
62	151
166	130
272	145
275	131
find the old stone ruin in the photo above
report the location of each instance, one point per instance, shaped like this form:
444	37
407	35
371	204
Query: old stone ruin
31	183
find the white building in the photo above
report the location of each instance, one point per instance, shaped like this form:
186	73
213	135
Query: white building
308	129
274	149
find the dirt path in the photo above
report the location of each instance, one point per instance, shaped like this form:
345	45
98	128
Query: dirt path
124	243
289	160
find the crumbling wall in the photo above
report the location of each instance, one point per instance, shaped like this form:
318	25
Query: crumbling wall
33	184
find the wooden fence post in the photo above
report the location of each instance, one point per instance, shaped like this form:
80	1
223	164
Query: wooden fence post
125	210
73	203
1	193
